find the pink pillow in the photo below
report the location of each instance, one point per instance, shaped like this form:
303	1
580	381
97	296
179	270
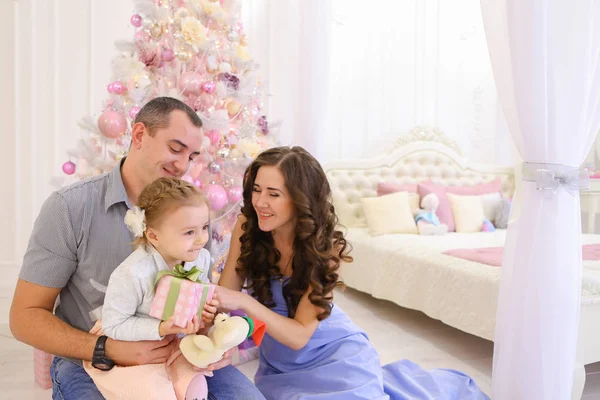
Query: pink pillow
444	211
494	186
384	188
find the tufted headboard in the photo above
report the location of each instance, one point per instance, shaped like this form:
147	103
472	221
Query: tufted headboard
422	154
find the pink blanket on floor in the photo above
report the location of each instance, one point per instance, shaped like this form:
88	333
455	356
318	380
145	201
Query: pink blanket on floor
493	255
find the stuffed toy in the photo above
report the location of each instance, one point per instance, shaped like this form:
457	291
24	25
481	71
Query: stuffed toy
227	332
487	226
426	219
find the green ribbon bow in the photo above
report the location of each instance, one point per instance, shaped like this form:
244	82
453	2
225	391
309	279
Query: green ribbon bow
179	273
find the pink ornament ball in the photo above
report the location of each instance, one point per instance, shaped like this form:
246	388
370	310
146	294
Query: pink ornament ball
198	183
190	82
216	196
167	55
213	135
136	20
142	37
68	168
117	88
112	124
235	194
209	87
133	112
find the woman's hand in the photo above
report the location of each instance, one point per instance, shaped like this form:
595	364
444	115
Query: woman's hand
230	300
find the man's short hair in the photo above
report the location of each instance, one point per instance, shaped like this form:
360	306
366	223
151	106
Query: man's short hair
157	112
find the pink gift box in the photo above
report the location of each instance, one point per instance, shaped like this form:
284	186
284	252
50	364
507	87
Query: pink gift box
41	368
181	298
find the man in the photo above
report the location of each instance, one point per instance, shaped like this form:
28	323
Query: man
80	237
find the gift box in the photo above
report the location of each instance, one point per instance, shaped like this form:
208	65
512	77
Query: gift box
178	295
41	368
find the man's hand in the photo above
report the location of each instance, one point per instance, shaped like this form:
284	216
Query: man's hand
143	352
225	361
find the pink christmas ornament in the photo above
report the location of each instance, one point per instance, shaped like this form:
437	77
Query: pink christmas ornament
209	87
198	183
111	88
136	20
190	82
235	194
68	168
216	196
167	55
141	37
213	135
133	112
205	101
117	88
112	124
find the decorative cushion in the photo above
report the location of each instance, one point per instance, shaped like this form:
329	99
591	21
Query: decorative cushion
343	211
389	214
468	213
384	188
494	186
444	211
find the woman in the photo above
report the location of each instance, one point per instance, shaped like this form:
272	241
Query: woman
286	247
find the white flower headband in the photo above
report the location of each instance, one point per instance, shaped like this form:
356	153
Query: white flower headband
135	221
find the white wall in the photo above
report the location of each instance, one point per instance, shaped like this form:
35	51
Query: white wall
54	69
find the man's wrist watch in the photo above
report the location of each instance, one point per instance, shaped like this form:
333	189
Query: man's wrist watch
99	359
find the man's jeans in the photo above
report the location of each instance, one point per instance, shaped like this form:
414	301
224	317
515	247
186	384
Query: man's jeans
71	382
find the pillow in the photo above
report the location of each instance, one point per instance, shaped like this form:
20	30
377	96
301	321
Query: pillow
494	186
444	211
413	202
502	214
384	188
491	202
389	214
468	213
343	210
413	198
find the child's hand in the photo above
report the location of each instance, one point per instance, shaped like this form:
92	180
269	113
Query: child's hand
169	328
210	310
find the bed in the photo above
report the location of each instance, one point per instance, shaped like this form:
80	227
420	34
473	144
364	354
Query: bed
413	271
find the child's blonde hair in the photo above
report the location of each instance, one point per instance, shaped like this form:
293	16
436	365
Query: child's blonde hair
165	195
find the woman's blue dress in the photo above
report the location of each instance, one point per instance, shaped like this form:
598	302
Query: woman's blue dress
339	363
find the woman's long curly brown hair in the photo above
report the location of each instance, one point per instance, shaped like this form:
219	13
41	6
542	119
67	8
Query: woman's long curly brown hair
318	246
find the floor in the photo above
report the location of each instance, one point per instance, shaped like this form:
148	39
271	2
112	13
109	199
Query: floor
396	333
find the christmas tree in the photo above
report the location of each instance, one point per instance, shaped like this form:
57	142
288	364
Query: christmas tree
196	51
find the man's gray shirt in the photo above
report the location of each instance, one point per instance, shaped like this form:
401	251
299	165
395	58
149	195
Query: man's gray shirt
78	240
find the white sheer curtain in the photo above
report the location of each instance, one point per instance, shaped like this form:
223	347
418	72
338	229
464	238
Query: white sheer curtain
545	56
290	39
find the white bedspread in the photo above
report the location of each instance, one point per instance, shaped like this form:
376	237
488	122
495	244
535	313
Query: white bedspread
411	271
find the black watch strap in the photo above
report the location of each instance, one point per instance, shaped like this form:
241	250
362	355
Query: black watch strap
100	349
99	359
